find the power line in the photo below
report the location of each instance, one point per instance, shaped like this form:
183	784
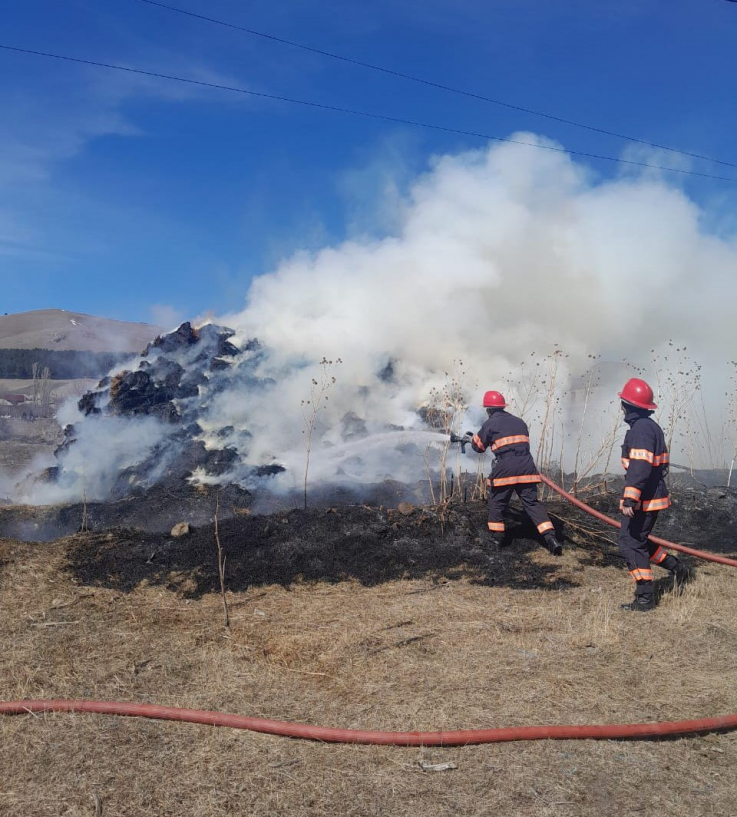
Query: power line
432	84
367	114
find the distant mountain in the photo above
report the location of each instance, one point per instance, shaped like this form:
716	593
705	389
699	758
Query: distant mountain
61	331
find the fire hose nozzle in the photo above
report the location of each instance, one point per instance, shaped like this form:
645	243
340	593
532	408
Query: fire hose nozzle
463	441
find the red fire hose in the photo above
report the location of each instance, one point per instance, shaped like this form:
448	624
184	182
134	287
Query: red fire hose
700	554
461	737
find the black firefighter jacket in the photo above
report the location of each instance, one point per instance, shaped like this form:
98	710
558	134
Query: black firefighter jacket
508	438
645	458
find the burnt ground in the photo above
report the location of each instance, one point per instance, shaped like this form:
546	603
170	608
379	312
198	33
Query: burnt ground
370	544
387	538
361	543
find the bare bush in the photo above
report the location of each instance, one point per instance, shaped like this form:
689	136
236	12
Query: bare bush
311	408
446	408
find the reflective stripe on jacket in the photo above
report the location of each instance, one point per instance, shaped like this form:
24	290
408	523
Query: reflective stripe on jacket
645	458
508	439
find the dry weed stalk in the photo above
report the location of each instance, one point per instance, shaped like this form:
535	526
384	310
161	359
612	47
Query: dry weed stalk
221	562
535	395
603	451
447	406
428	471
684	416
550	409
731	422
676	389
587	395
84	527
311	409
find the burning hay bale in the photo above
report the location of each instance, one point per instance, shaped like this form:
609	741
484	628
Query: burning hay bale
150	418
161	380
196	408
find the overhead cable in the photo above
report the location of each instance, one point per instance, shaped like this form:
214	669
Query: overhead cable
433	84
366	114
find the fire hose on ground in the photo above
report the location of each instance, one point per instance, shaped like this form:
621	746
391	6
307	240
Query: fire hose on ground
699	554
461	737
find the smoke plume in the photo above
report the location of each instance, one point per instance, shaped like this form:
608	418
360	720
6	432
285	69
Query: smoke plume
508	268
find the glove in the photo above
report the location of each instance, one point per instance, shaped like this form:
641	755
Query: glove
467	439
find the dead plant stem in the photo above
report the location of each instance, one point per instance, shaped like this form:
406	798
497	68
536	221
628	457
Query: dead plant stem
221	562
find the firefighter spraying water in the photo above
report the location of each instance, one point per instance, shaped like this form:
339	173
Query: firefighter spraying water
514	470
644	457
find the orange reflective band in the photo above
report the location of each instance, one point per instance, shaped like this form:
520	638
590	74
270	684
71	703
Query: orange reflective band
656	504
632	493
544	526
496	526
642	574
643	454
477	442
502	441
659	556
517	480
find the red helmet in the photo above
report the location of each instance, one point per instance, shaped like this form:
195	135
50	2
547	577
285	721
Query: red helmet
636	392
493	399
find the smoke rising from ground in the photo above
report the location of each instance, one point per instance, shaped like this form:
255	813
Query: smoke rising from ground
498	254
497	257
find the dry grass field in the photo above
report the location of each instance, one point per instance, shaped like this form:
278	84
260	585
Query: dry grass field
432	652
21	444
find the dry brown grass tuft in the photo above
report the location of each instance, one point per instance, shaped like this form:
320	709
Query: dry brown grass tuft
400	655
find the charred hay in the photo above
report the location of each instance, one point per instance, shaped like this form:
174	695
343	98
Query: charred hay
172	381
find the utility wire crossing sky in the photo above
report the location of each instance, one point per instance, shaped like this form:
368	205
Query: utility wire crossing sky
187	148
433	84
385	118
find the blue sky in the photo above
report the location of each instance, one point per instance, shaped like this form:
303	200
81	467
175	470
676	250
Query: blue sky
150	200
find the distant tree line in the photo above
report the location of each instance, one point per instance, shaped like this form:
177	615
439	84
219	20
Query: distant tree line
62	365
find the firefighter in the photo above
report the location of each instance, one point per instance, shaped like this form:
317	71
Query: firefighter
508	439
645	459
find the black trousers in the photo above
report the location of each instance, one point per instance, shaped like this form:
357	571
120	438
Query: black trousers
638	551
527	492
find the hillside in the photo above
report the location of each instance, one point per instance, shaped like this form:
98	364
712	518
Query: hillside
59	330
76	349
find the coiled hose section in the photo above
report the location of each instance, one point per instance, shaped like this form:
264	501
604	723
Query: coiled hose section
461	737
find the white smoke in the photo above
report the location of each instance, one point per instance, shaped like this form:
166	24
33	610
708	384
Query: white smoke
496	254
498	258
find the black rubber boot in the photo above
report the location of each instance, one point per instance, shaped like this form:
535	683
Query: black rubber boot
553	545
639	605
681	576
494	541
